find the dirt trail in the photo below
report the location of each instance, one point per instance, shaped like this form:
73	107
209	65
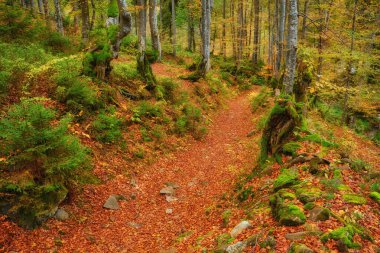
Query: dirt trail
204	170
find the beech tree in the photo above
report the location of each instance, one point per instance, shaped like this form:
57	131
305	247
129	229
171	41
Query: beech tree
58	17
155	34
205	32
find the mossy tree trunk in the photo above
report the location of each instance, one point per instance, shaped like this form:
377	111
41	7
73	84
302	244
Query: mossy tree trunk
279	128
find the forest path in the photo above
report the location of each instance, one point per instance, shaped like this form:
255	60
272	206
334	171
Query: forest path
204	170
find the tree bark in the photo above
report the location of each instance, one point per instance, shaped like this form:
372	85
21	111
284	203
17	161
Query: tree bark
232	8
154	27
291	60
174	29
85	21
40	6
76	18
46	12
240	32
58	17
304	19
93	15
190	33
280	33
269	34
206	26
255	55
224	44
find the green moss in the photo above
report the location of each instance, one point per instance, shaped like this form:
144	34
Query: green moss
344	235
113	9
375	196
310	194
291	148
318	139
309	206
288	177
291	215
299	248
354	199
285	194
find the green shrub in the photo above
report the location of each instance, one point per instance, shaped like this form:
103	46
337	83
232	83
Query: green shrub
125	71
113	9
190	120
56	42
77	94
258	80
107	128
4	79
318	139
30	138
165	89
146	110
291	148
362	126
259	100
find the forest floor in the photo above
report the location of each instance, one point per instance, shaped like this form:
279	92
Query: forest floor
146	221
201	208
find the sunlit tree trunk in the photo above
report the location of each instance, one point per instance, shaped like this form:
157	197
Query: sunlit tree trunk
255	55
174	29
224	44
291	59
85	20
154	27
40	6
206	26
280	34
93	15
46	12
58	17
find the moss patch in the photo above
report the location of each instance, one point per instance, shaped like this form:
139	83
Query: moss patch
285	194
375	196
344	235
306	195
291	148
285	179
354	199
286	214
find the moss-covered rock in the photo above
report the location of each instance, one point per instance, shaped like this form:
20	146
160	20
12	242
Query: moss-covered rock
288	177
344	235
319	214
354	199
291	215
286	194
309	206
285	212
306	195
375	196
299	248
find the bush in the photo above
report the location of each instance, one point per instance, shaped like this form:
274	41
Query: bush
107	128
125	71
259	100
56	42
113	9
29	138
190	121
146	110
77	94
165	89
4	79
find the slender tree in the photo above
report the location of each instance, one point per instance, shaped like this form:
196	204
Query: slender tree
255	55
280	35
304	19
58	16
85	20
156	44
291	59
224	43
174	29
206	26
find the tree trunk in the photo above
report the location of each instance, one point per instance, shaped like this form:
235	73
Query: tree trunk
190	33
46	12
93	15
143	65
224	44
349	70
281	32
40	6
58	17
174	29
206	26
240	32
255	55
291	60
76	18
85	21
154	27
232	8
304	19
269	34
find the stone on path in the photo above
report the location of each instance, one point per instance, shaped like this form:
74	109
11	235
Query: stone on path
238	229
319	214
236	248
170	198
169	190
61	215
169	211
111	203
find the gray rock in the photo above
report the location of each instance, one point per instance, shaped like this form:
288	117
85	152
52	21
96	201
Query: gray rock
171	184
238	229
169	211
61	215
169	190
111	203
134	224
298	236
319	214
299	248
170	198
236	248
